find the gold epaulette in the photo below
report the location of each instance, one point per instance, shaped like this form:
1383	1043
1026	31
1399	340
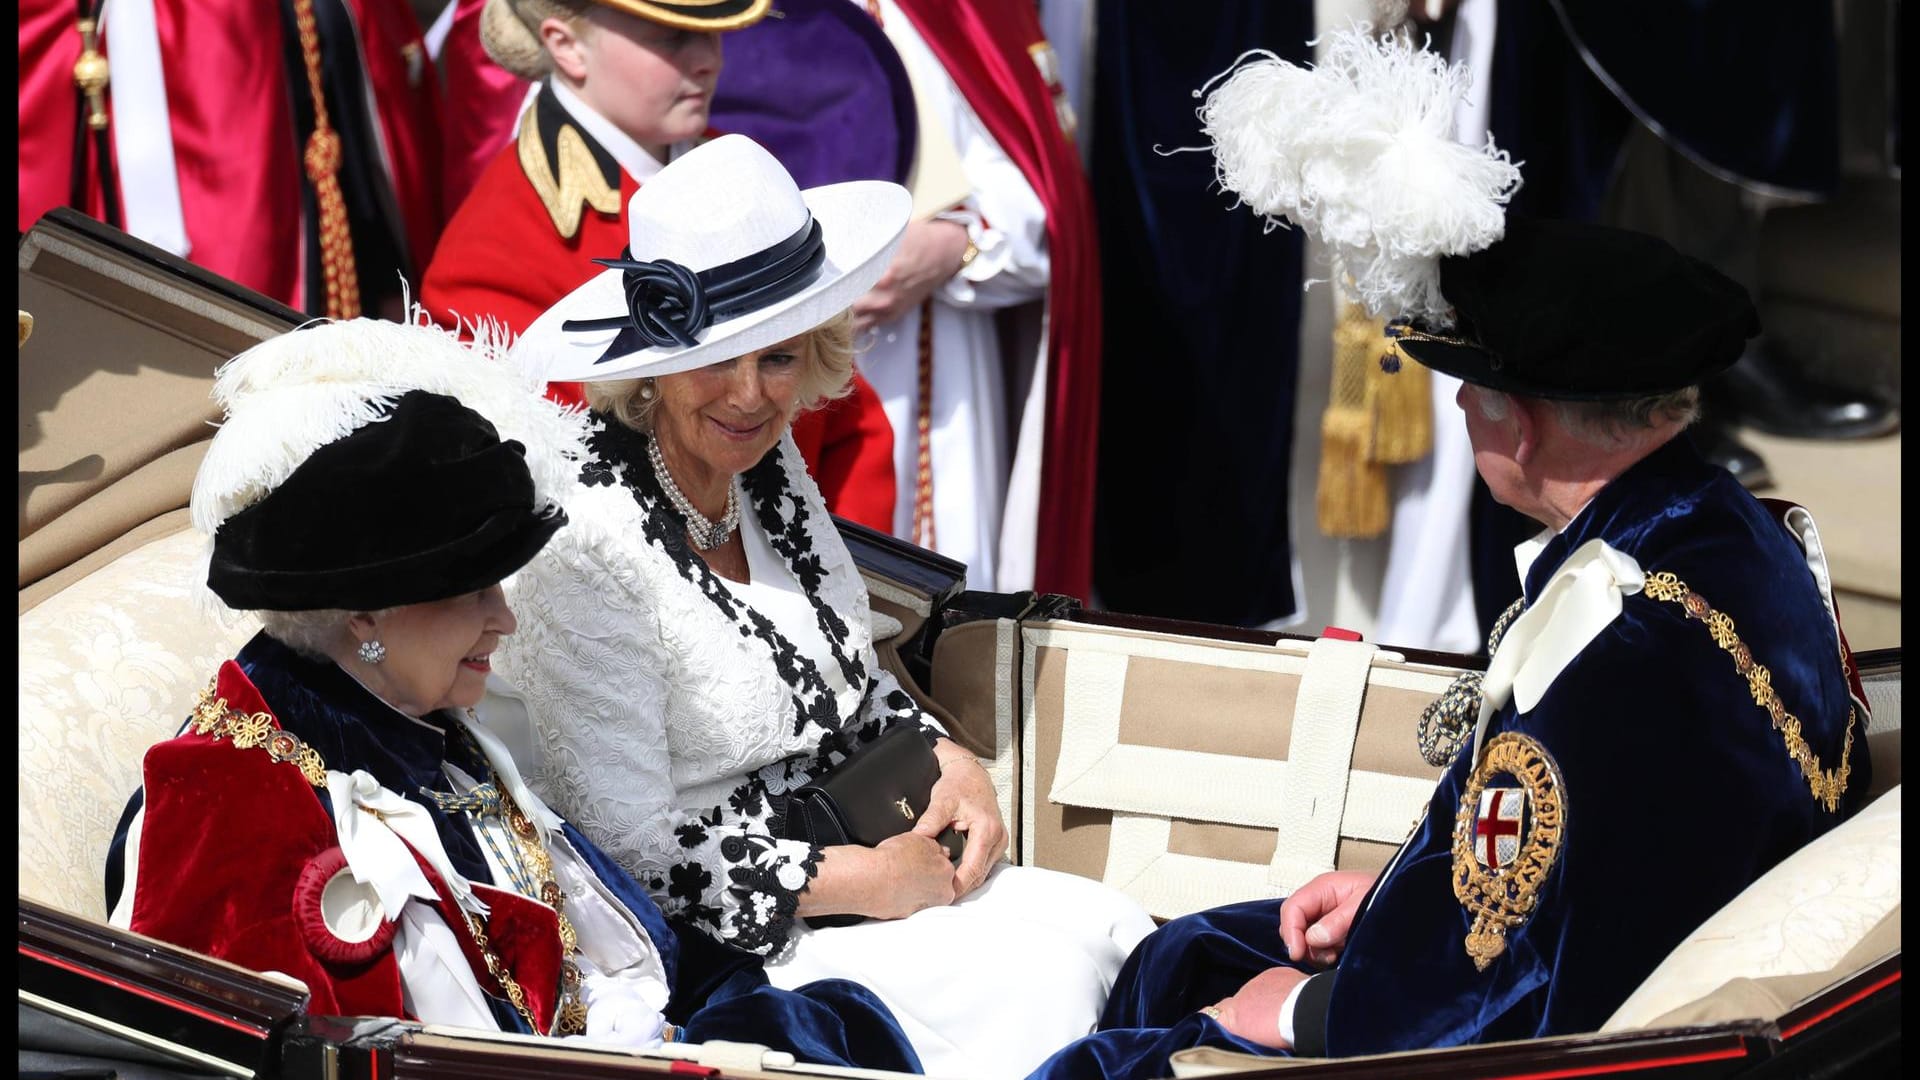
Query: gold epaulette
213	716
1827	784
569	179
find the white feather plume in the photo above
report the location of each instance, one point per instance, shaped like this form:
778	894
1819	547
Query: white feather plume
293	394
1359	152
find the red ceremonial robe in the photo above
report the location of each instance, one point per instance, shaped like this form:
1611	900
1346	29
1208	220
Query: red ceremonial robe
987	47
503	257
235	848
237	159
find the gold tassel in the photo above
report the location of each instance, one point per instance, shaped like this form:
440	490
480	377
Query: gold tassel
1402	407
1351	500
322	159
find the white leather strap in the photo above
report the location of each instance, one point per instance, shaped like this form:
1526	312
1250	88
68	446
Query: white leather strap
1313	801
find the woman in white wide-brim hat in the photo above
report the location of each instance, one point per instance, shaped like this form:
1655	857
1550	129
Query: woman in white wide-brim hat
699	643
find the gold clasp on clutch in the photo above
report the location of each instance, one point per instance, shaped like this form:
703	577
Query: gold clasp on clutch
905	808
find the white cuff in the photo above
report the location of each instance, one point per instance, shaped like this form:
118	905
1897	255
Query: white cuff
1286	1012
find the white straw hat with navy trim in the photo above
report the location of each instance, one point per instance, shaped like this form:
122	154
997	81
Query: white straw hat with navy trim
726	255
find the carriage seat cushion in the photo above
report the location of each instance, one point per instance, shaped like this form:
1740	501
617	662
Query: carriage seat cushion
1829	909
109	666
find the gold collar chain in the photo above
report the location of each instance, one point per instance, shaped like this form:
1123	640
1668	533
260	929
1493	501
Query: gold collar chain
1827	784
212	716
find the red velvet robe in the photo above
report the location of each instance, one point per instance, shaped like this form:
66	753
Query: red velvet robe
238	166
986	47
230	844
502	257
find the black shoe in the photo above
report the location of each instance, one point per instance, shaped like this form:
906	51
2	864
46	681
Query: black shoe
1716	443
1766	394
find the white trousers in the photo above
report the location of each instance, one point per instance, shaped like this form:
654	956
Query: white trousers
991	986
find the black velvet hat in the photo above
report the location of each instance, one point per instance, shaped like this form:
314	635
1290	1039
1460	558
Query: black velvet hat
422	504
1564	310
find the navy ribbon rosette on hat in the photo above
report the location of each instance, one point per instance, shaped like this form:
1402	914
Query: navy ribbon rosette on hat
668	304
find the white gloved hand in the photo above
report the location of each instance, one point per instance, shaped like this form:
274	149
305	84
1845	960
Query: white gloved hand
618	1012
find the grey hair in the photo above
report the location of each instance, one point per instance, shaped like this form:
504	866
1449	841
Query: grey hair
510	32
826	352
310	633
1609	425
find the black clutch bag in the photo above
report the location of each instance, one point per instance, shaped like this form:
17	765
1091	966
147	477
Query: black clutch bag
879	791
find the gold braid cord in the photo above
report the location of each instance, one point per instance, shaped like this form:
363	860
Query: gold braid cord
923	436
322	160
1827	784
1502	899
580	180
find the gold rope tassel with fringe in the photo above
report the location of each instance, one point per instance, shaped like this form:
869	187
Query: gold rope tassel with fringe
1402	403
1351	500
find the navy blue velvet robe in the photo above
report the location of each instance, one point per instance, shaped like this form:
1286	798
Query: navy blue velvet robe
718	992
1678	793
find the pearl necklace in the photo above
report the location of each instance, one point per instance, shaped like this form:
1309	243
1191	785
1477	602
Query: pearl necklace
704	534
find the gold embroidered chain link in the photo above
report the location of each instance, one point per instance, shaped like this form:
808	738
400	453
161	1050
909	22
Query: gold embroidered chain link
572	1015
213	716
507	982
571	1018
1827	784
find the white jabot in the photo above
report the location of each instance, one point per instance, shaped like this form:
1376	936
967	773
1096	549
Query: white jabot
371	822
1582	597
637	162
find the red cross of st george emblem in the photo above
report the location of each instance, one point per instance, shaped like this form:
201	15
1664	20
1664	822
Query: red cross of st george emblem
1498	820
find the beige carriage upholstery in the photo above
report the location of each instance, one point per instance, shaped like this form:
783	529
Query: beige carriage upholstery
108	667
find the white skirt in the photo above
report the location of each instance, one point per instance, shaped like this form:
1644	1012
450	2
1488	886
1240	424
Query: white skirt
991	986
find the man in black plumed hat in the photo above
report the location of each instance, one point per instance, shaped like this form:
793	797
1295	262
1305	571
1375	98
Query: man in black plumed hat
1669	711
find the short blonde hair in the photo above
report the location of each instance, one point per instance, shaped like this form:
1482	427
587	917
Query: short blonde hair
826	356
510	32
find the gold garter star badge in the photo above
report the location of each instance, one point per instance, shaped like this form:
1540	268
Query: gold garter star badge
1505	840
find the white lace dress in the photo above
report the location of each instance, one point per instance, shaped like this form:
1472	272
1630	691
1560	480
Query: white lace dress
673	710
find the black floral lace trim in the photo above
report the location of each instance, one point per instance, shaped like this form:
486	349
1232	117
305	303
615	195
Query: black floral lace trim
767	489
813	702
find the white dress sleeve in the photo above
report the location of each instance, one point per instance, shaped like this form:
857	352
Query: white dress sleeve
590	659
1010	222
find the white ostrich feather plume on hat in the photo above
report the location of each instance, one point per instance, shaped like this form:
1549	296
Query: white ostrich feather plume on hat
1359	152
295	393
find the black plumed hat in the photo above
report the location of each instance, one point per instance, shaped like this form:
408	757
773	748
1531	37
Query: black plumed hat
1570	311
424	503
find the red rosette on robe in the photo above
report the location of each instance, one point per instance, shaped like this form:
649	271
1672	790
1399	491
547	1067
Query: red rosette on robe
226	836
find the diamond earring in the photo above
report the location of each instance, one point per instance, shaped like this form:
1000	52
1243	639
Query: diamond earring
372	652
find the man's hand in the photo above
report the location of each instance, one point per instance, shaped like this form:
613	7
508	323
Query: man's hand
1314	921
964	798
928	255
1254	1012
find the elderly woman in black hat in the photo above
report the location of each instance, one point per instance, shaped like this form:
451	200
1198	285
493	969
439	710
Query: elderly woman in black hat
340	807
699	643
